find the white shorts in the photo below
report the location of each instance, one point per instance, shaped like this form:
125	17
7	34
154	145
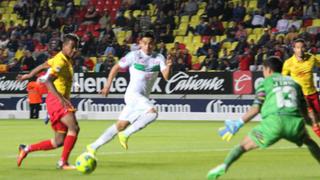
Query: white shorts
136	105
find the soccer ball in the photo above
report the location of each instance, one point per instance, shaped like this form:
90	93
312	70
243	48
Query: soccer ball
86	163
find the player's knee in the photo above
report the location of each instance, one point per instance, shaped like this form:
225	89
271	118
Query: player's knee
59	142
122	125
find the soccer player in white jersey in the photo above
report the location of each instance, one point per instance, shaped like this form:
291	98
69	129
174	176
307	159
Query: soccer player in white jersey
144	65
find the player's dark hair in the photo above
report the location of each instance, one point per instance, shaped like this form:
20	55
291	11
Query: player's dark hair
147	34
299	40
274	63
71	37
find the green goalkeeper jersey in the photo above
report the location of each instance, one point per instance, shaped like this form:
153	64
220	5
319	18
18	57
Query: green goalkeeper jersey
279	95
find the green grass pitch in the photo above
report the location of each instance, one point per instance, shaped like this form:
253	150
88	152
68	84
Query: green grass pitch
166	150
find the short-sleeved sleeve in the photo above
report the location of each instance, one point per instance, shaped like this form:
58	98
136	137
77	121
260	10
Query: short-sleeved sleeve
286	68
162	62
260	95
56	66
127	60
317	60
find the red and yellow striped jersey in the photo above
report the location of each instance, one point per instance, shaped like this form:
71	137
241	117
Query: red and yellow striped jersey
61	67
302	72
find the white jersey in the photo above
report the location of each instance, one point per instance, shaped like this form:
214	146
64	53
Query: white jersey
144	70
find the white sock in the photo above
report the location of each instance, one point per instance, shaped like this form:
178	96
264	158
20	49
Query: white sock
107	135
140	123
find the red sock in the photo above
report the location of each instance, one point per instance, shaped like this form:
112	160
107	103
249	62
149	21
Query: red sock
68	144
44	145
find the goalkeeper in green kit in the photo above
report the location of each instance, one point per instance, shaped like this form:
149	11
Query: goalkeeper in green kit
283	110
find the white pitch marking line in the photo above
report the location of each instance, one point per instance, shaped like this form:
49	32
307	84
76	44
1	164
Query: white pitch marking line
104	153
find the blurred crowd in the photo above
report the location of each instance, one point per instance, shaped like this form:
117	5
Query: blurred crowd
234	34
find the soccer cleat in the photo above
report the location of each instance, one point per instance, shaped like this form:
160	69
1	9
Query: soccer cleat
123	139
216	172
91	150
65	166
22	154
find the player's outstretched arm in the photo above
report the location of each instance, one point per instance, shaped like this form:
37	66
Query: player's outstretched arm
114	71
35	71
232	126
167	71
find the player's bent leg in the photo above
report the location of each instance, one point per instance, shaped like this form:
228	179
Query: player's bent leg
142	121
313	148
70	121
104	138
123	139
24	150
246	145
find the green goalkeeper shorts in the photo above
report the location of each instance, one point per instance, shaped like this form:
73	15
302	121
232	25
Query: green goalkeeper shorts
275	127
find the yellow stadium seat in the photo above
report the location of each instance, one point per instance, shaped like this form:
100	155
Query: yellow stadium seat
188	39
153	19
77	2
184	19
128	34
316	22
249	30
225	24
12	3
182	29
252	4
176	19
226	45
252	37
4	4
196	39
5	17
121	34
200	12
268	15
201	58
234	45
169	46
202	5
195	19
178	39
258	31
126	13
136	13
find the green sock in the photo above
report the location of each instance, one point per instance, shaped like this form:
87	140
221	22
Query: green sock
234	154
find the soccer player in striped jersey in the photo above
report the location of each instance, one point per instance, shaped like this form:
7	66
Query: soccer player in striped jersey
59	107
300	67
144	66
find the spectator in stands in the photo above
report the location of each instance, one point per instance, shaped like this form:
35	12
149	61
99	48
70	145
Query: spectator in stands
2	28
201	27
4	40
110	51
68	27
224	60
108	33
132	20
241	33
43	21
98	67
89	45
210	62
179	65
187	58
121	20
214	9
88	64
283	24
67	10
29	42
145	21
28	62
91	16
227	12
14	65
189	8
258	20
13	44
108	64
54	22
3	55
245	60
239	12
262	4
292	34
230	32
162	49
104	20
215	27
311	11
264	38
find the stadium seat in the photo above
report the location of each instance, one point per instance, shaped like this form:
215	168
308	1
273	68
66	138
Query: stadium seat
178	39
316	23
188	39
184	19
201	58
200	12
226	45
249	30
77	2
252	37
258	31
136	13
195	19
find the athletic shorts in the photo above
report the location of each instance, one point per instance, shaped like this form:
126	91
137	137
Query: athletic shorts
313	102
274	127
136	105
56	111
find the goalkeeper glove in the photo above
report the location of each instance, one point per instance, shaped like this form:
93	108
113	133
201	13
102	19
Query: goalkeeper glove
230	129
316	129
